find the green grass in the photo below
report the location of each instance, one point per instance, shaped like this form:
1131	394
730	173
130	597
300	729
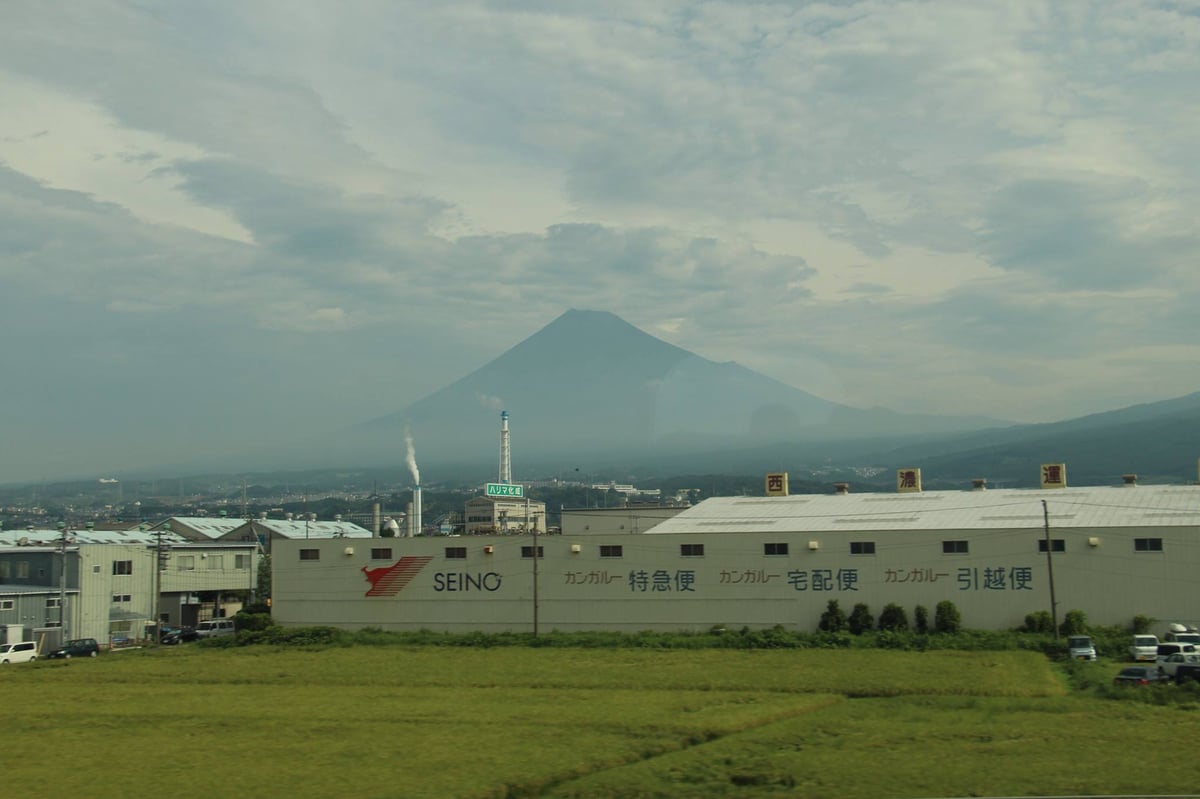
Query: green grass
373	721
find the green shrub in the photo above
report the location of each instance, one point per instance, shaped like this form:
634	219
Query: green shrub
1074	623
893	618
860	620
946	618
1038	622
252	621
833	620
921	619
1141	624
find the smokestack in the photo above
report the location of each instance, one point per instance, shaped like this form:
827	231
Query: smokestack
414	516
375	520
505	459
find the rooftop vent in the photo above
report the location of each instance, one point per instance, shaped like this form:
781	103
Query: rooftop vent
842	488
979	484
1130	479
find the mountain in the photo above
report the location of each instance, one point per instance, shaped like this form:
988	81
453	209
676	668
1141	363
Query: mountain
1159	441
589	382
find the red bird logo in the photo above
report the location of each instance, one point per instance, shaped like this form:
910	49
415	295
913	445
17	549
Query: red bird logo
390	580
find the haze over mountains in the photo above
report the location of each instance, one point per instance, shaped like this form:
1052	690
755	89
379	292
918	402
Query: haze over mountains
590	382
591	388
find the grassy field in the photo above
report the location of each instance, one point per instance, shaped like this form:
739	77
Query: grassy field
436	722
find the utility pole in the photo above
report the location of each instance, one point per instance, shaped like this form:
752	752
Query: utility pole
64	532
161	553
1050	568
535	568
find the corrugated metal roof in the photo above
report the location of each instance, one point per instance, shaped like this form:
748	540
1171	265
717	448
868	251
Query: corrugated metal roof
212	527
1086	507
51	538
298	528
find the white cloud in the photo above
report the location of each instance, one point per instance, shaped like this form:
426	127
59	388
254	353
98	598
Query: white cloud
885	202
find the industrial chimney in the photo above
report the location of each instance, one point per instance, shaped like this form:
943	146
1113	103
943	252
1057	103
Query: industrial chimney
505	459
414	515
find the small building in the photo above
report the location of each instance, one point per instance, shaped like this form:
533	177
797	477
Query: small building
500	515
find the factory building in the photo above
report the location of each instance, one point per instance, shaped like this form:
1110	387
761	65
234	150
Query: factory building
1114	552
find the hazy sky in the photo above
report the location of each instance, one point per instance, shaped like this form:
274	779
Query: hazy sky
229	222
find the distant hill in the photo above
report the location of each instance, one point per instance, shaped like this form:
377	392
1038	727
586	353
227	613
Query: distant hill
591	382
1159	441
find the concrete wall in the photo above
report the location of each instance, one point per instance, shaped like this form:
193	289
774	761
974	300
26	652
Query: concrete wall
1001	578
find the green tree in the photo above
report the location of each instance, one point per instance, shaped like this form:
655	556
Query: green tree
860	619
893	617
921	619
262	592
1039	622
833	620
1074	623
946	618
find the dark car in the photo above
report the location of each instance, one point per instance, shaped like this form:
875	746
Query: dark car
77	648
178	635
1140	675
1187	671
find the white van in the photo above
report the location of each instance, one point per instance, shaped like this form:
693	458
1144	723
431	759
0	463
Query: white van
214	627
21	652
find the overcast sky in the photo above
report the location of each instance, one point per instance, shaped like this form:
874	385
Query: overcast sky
229	222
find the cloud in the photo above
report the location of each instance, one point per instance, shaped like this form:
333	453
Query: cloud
883	202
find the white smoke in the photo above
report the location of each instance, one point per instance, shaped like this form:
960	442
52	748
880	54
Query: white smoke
410	457
489	401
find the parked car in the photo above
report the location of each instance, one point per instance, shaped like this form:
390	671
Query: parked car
1182	635
1080	647
1173	662
20	652
76	648
214	627
1143	647
1140	675
178	635
1166	650
1187	671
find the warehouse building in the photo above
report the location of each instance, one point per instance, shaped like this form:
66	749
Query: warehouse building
1114	552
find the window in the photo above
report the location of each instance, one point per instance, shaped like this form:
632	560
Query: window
527	552
1147	545
241	561
52	602
22	569
775	549
185	563
122	567
691	550
862	547
381	553
122	598
5	570
95	568
216	562
6	604
611	551
954	547
456	553
1056	545
310	554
